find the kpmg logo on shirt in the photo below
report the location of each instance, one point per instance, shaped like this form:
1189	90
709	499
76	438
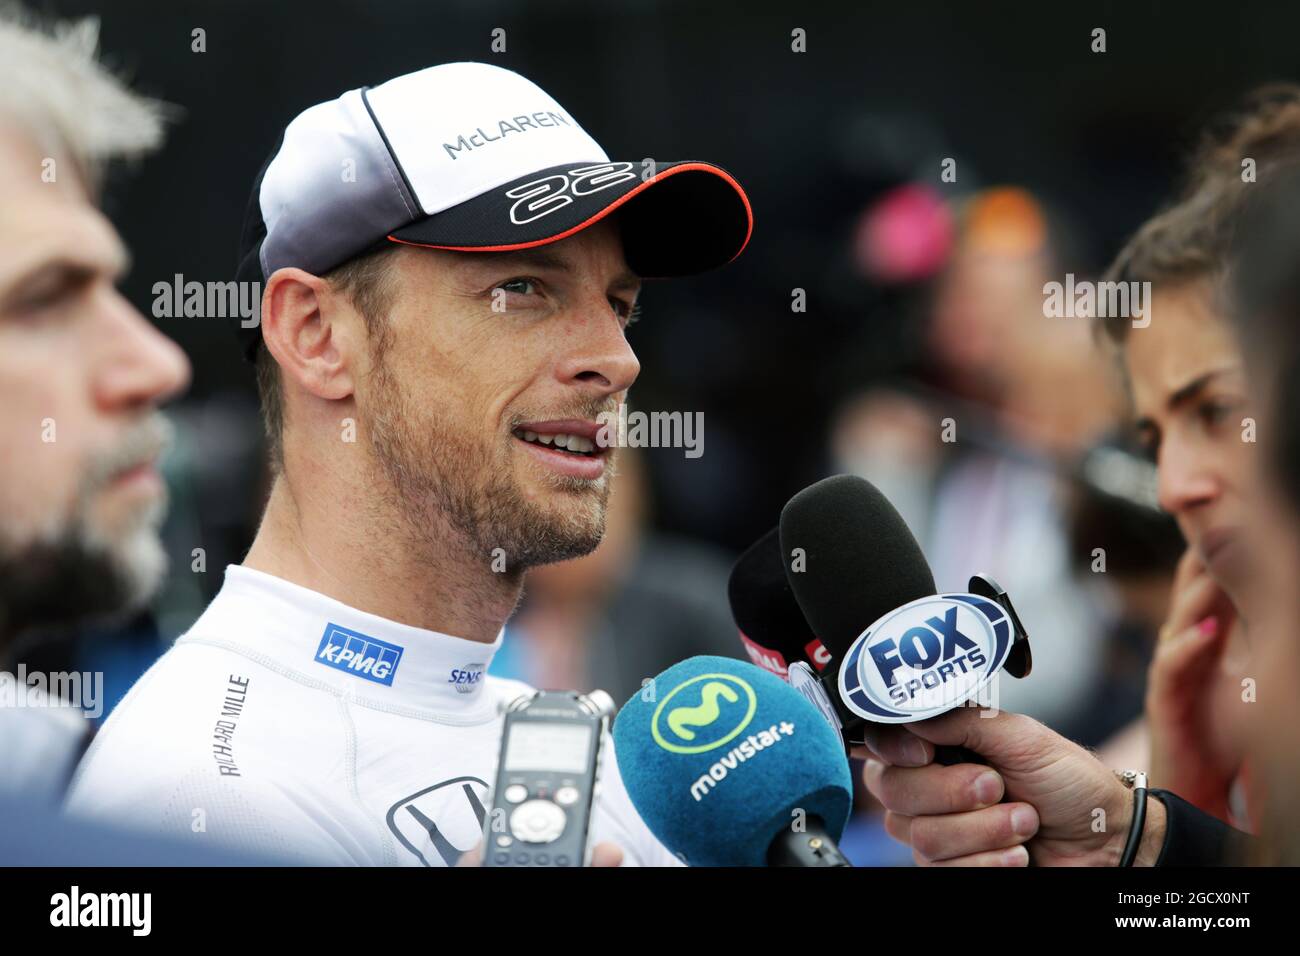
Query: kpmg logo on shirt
355	653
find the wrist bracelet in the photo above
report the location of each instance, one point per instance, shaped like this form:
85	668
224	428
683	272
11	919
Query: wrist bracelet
1138	823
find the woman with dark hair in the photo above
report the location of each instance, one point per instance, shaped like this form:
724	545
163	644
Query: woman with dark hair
1188	393
1196	380
1192	408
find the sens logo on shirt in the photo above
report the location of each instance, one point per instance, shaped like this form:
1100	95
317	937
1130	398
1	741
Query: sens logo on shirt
466	679
355	653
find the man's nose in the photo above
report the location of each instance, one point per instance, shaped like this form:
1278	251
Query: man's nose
137	365
601	360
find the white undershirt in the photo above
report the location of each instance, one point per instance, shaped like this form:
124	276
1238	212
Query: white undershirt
288	723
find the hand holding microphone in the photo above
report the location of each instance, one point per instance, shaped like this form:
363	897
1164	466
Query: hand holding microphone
963	785
891	666
1063	806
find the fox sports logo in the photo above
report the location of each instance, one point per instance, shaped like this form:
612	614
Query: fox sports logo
925	658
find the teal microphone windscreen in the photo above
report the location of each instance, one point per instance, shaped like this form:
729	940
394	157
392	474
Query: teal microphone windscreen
720	758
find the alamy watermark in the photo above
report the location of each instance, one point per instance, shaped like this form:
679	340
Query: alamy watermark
624	429
180	299
51	691
1086	299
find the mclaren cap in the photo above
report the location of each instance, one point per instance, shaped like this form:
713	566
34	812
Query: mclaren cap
473	158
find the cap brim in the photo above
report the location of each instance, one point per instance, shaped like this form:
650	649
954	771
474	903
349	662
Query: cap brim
683	218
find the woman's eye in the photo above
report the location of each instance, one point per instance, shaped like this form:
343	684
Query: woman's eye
1216	413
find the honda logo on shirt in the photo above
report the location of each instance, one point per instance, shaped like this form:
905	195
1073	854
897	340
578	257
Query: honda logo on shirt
359	654
445	818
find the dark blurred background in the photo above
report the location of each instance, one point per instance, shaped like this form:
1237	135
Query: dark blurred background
1060	153
884	92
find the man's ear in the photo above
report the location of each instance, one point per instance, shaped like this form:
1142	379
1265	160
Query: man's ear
308	333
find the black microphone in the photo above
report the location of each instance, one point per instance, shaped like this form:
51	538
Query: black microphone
772	627
901	652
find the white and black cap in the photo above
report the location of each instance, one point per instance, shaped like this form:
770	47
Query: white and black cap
474	158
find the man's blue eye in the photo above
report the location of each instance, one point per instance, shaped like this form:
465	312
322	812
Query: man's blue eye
521	286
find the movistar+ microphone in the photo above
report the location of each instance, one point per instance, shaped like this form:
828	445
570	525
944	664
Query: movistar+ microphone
729	766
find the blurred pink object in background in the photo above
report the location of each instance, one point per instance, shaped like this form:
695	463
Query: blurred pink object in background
904	236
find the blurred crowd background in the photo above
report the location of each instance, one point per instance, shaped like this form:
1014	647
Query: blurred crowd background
921	301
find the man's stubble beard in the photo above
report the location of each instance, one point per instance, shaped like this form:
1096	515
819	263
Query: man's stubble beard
74	571
438	478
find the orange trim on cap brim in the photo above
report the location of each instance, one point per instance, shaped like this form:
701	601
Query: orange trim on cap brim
672	170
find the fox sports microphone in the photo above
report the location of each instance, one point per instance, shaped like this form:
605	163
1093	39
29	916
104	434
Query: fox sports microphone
902	652
772	627
729	766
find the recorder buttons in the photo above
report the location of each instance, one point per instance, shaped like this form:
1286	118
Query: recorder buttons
537	821
566	796
516	793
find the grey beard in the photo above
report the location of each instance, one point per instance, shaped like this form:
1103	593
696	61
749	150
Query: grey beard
73	572
71	579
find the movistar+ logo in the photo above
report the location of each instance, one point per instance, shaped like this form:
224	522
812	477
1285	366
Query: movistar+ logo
703	713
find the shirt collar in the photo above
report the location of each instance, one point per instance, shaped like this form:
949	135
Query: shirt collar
358	653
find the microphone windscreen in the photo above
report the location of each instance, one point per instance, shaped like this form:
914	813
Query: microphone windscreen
719	756
860	560
772	626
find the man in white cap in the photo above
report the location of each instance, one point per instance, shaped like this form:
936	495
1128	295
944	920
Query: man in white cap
450	264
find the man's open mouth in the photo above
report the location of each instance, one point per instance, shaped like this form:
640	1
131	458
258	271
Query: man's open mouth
576	438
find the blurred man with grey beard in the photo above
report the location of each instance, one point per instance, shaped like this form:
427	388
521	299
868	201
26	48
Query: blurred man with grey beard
81	376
